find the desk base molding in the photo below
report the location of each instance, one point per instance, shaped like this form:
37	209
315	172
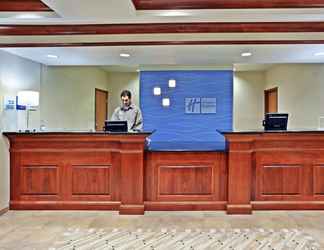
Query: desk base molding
65	205
288	205
185	206
131	210
239	209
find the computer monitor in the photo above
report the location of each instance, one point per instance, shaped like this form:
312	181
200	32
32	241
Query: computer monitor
116	126
275	121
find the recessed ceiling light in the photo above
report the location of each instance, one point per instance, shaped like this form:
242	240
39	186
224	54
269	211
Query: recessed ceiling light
173	13
246	54
52	56
125	55
319	54
28	16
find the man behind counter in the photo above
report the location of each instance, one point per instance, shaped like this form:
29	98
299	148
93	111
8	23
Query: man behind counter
128	112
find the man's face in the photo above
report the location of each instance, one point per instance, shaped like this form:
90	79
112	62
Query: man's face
126	101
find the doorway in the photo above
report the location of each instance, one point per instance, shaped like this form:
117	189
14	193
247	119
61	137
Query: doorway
101	109
271	100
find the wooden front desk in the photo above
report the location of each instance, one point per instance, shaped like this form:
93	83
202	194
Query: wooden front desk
77	171
275	170
97	171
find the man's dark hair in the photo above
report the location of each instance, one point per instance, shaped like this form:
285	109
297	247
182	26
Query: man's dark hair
126	93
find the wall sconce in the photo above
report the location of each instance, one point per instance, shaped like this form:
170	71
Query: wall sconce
157	91
172	83
166	102
30	99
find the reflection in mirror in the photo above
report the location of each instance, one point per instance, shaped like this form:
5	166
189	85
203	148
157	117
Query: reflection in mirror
68	78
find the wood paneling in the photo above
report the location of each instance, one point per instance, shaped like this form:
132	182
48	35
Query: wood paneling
224	4
186	180
319	180
39	180
285	168
239	178
280	170
77	171
160	28
132	183
281	180
90	180
23	5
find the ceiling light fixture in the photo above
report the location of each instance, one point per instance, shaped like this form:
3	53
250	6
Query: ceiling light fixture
246	54
52	56
173	13
28	16
124	55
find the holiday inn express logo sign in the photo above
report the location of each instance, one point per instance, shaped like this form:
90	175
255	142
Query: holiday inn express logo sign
200	105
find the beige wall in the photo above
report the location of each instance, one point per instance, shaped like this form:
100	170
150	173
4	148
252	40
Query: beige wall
300	92
119	81
15	74
67	100
68	96
248	100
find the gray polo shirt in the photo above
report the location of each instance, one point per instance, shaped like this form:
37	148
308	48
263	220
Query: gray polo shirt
132	114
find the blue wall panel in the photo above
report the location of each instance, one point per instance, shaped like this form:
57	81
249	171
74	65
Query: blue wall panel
176	129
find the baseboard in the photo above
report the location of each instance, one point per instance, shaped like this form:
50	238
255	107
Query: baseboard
3	211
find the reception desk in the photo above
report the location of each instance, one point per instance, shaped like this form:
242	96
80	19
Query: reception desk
97	171
275	170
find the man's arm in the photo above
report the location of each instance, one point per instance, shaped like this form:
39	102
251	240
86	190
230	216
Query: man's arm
114	116
138	124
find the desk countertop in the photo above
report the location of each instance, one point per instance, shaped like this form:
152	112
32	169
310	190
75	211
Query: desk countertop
273	131
75	132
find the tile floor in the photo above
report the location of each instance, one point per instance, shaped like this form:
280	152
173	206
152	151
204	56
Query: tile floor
40	229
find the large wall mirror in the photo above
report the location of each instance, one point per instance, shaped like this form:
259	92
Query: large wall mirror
69	80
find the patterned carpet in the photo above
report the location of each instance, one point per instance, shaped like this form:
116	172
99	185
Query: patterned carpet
235	239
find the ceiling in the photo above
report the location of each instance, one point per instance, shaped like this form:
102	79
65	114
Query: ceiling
124	11
164	32
143	56
223	4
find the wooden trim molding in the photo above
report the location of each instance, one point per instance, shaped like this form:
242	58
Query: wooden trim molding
4	210
224	4
160	28
23	5
158	43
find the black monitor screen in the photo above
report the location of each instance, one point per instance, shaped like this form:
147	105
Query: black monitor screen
116	126
275	121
